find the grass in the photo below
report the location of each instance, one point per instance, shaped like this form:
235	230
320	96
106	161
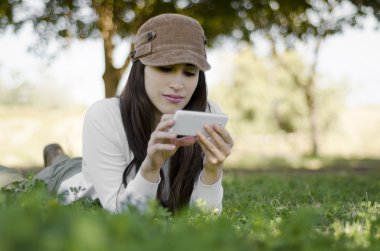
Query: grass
275	200
262	211
327	163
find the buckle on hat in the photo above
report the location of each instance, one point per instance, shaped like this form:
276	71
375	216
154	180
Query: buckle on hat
132	54
145	38
142	50
150	35
143	45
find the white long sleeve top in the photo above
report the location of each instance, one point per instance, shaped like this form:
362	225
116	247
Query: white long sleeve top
106	154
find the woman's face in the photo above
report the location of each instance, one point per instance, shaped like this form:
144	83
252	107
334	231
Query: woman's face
170	87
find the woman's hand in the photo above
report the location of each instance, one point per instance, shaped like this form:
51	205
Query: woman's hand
217	147
162	145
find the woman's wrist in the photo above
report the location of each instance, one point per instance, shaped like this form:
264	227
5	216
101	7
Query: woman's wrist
211	175
150	174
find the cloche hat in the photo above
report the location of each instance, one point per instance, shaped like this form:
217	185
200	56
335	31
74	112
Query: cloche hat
169	39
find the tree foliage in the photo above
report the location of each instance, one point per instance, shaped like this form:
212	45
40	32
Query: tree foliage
261	97
114	20
81	18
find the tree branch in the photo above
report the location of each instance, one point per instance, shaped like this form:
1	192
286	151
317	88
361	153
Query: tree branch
313	68
127	60
283	64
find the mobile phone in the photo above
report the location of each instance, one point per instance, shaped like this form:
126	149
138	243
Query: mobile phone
188	123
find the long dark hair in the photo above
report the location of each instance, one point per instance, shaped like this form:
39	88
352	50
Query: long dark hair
137	112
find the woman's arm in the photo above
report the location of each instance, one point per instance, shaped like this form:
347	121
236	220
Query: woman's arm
105	156
207	196
216	146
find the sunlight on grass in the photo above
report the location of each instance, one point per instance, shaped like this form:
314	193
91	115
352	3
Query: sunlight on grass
26	130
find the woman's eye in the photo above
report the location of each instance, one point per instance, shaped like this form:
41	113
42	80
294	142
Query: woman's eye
189	73
165	69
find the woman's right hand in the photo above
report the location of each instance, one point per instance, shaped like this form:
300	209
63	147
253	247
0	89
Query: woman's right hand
161	146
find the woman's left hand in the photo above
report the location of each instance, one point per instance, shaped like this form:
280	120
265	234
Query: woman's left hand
217	147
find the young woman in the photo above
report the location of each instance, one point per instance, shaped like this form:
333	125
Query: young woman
129	155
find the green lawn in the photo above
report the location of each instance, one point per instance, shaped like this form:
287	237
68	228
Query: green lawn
295	210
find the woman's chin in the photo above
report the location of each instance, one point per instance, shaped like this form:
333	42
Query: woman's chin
171	110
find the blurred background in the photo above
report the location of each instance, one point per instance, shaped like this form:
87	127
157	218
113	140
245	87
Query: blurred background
299	79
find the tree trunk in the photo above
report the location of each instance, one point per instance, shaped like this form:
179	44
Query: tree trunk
111	75
111	78
308	89
312	117
310	95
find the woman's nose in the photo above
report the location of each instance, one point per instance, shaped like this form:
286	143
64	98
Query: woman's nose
177	82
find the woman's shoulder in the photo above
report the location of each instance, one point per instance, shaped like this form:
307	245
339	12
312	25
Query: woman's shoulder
104	108
104	105
212	107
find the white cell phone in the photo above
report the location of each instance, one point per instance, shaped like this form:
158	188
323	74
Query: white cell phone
188	123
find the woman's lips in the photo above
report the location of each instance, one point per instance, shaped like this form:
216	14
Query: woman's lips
175	99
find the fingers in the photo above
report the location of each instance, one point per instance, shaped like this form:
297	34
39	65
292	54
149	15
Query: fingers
217	140
220	137
184	141
157	136
224	134
163	136
166	122
209	155
213	154
166	117
218	146
165	125
162	147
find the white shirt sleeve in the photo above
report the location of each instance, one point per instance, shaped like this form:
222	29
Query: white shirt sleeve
208	197
138	192
105	157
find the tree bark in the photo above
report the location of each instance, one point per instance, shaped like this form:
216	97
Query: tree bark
310	96
308	89
111	75
313	121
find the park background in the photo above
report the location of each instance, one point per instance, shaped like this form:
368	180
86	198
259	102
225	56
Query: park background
304	172
44	96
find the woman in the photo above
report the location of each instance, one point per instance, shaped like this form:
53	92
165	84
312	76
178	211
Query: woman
129	155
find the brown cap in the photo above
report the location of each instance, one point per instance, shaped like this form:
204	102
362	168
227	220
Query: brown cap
170	39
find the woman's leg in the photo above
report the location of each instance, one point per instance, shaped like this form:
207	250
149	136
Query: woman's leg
9	175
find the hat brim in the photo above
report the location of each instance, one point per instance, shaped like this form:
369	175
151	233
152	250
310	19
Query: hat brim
176	56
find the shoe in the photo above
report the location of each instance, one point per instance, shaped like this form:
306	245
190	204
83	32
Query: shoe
50	152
